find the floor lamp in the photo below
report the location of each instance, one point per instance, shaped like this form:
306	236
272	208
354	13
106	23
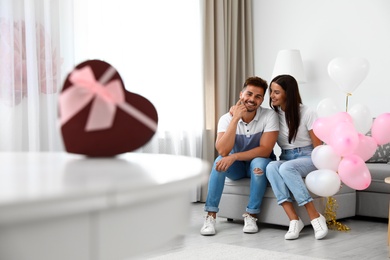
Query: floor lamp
289	62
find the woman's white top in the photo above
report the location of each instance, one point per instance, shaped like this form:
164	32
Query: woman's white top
308	117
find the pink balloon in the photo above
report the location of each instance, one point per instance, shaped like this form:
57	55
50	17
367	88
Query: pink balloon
354	173
344	139
341	117
322	128
381	128
366	147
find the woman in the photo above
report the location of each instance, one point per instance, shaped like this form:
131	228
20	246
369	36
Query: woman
297	140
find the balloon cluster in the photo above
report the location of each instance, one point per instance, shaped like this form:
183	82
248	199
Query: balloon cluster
341	159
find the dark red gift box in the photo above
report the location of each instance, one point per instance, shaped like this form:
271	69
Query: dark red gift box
99	117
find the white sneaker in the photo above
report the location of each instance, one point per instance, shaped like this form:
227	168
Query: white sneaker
295	227
320	227
250	225
208	228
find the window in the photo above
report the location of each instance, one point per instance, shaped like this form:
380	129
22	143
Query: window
156	47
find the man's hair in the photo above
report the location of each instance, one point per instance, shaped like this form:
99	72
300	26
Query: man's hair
256	81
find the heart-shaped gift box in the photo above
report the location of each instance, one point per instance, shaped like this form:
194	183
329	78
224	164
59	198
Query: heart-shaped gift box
99	117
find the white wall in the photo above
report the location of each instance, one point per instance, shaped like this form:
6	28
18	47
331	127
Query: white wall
323	30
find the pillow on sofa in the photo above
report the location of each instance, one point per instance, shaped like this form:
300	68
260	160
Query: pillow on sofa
382	153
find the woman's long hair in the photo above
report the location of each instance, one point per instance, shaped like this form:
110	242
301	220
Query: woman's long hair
293	102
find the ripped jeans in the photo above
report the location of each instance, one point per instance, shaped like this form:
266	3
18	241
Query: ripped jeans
239	170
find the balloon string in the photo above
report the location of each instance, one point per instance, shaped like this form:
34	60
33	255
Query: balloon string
346	102
330	215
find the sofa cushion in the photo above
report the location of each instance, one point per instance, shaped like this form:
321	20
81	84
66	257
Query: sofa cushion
379	171
236	194
382	153
241	187
372	204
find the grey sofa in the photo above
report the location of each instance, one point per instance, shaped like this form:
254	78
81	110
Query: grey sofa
235	198
374	201
371	202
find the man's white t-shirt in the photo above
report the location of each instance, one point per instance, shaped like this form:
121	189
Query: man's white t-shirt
248	135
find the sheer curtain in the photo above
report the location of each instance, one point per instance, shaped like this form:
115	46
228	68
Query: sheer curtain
31	65
227	58
156	48
155	45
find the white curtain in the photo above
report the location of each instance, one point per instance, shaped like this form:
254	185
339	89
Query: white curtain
155	46
31	65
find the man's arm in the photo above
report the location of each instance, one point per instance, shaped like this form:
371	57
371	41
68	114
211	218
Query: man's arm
225	141
267	143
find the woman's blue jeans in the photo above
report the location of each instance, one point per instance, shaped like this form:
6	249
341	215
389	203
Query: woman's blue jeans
239	170
285	175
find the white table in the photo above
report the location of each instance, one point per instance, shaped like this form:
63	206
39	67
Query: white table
60	206
387	180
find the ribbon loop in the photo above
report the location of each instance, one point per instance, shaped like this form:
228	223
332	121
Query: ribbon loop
106	95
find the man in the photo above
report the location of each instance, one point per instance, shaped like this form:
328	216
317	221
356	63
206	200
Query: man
245	140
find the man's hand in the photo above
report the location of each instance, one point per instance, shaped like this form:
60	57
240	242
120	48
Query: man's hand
238	110
224	164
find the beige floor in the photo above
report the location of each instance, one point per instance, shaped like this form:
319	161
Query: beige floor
367	238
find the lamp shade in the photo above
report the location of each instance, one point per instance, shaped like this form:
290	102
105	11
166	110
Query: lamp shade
289	62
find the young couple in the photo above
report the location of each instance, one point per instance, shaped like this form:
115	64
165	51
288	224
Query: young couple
245	140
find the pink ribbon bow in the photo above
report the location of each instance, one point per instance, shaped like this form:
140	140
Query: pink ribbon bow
106	98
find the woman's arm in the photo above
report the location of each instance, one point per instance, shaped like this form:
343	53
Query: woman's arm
314	139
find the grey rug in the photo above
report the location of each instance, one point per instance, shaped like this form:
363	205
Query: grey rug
217	251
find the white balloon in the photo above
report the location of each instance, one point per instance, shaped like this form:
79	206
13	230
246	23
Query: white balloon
324	157
323	182
348	73
362	118
327	107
